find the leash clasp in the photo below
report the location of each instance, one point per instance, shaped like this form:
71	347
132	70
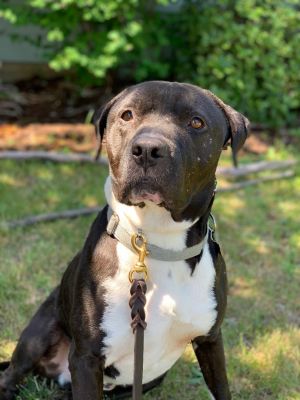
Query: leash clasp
212	226
138	242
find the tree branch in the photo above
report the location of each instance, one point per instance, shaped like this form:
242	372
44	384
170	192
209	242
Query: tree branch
50	156
67	214
255	167
252	182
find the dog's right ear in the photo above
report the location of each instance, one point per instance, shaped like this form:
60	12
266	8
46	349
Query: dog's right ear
99	120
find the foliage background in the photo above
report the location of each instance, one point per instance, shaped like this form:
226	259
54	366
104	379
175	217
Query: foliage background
246	51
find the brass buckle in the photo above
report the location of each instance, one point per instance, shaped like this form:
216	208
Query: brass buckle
138	242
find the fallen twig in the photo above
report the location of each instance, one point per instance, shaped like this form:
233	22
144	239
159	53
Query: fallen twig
50	156
252	182
67	214
254	167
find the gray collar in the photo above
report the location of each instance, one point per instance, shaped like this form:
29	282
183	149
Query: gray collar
115	228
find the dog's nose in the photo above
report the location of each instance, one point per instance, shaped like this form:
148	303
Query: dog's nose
148	151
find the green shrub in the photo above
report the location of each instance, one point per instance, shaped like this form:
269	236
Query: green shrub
246	51
89	36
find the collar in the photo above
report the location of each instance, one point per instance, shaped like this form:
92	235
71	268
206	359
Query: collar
115	228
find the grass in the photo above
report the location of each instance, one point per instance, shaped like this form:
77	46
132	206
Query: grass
259	231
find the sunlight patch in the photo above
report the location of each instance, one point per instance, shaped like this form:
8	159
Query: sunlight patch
233	203
9	180
67	170
288	207
274	354
259	244
189	354
6	349
295	239
243	288
90	201
45	174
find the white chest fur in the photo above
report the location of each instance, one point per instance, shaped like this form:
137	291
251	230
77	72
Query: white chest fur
179	306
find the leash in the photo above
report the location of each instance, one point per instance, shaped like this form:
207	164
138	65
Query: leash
137	304
138	275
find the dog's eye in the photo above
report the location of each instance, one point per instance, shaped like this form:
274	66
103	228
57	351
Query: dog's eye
197	123
127	115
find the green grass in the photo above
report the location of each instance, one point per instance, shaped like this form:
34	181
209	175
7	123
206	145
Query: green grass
259	231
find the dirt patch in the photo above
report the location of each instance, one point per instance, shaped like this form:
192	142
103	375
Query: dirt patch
256	144
76	137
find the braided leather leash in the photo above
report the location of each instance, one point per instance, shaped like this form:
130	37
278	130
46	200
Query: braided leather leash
137	304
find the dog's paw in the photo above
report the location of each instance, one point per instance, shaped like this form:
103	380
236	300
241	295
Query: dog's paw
7	394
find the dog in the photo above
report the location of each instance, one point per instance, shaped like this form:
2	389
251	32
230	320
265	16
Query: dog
163	141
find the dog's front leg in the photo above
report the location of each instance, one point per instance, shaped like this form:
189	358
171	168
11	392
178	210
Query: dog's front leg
87	374
210	355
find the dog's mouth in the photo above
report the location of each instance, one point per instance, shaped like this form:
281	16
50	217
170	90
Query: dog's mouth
138	197
145	190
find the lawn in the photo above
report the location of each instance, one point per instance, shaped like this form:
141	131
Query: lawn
259	231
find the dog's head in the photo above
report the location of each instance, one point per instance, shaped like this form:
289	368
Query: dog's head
164	141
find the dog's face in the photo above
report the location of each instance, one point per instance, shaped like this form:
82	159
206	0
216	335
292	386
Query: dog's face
164	141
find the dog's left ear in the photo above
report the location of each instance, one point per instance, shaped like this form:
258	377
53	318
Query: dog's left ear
238	126
99	119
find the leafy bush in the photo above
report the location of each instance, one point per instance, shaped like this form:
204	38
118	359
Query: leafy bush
89	36
246	51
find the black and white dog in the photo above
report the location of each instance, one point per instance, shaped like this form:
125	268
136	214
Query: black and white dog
163	141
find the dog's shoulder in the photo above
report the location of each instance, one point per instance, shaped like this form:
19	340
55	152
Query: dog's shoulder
98	256
220	288
221	284
98	228
81	298
97	233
